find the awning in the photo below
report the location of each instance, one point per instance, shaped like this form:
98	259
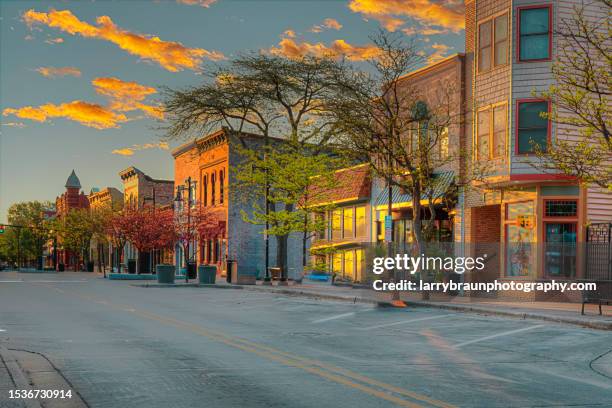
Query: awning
441	183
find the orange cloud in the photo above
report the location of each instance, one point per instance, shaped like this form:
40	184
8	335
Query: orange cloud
126	96
440	52
442	13
129	151
171	55
203	3
328	23
57	40
289	34
339	48
53	72
85	113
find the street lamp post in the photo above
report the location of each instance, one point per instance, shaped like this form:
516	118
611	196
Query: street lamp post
189	185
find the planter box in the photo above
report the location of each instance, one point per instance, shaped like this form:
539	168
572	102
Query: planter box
207	274
165	273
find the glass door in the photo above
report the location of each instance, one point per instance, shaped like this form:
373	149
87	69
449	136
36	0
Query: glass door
560	249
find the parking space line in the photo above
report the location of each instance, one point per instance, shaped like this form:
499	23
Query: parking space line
494	336
340	316
420	319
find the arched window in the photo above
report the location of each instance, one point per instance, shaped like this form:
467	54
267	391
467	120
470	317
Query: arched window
205	190
221	185
213	180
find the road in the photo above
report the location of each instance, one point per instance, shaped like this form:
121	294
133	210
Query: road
125	346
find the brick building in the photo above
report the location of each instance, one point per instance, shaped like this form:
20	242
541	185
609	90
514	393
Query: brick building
139	191
73	198
109	198
209	162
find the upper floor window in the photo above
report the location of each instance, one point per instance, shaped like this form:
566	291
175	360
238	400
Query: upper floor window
205	190
348	223
443	144
532	128
221	185
534	32
360	222
493	43
336	224
492	126
213	182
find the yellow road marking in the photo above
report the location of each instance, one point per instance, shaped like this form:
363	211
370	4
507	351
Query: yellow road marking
309	365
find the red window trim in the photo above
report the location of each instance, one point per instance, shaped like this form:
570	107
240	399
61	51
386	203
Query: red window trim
565	218
518	32
516	124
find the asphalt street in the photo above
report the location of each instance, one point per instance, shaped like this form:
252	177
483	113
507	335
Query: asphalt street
120	345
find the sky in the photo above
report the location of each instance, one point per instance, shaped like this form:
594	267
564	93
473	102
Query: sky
80	80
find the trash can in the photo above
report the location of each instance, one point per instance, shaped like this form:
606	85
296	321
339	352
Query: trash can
207	274
131	265
90	266
60	267
165	273
191	270
228	269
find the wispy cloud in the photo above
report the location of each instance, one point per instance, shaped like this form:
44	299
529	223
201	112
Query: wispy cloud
129	151
203	3
391	13
57	40
127	96
440	52
54	72
14	124
173	56
290	48
328	23
85	113
122	97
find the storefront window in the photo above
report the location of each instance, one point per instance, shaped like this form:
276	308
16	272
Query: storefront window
349	265
359	265
337	263
520	238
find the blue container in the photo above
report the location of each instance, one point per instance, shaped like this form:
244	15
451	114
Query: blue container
165	273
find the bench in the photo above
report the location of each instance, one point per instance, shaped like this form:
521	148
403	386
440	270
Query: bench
602	295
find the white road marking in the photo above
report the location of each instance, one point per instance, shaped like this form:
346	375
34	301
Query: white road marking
43	281
420	319
340	316
2	330
494	336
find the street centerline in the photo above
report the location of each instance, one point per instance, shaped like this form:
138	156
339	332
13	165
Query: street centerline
494	336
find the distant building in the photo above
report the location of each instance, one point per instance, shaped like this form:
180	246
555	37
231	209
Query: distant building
73	198
102	251
139	191
208	161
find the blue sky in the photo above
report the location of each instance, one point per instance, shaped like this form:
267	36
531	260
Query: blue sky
36	156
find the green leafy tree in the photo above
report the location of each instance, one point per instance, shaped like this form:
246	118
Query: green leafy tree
76	229
270	96
31	230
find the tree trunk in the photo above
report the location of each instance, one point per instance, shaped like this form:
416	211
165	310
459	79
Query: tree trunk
281	255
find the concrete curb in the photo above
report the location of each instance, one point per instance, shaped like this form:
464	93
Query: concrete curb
185	285
18	376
